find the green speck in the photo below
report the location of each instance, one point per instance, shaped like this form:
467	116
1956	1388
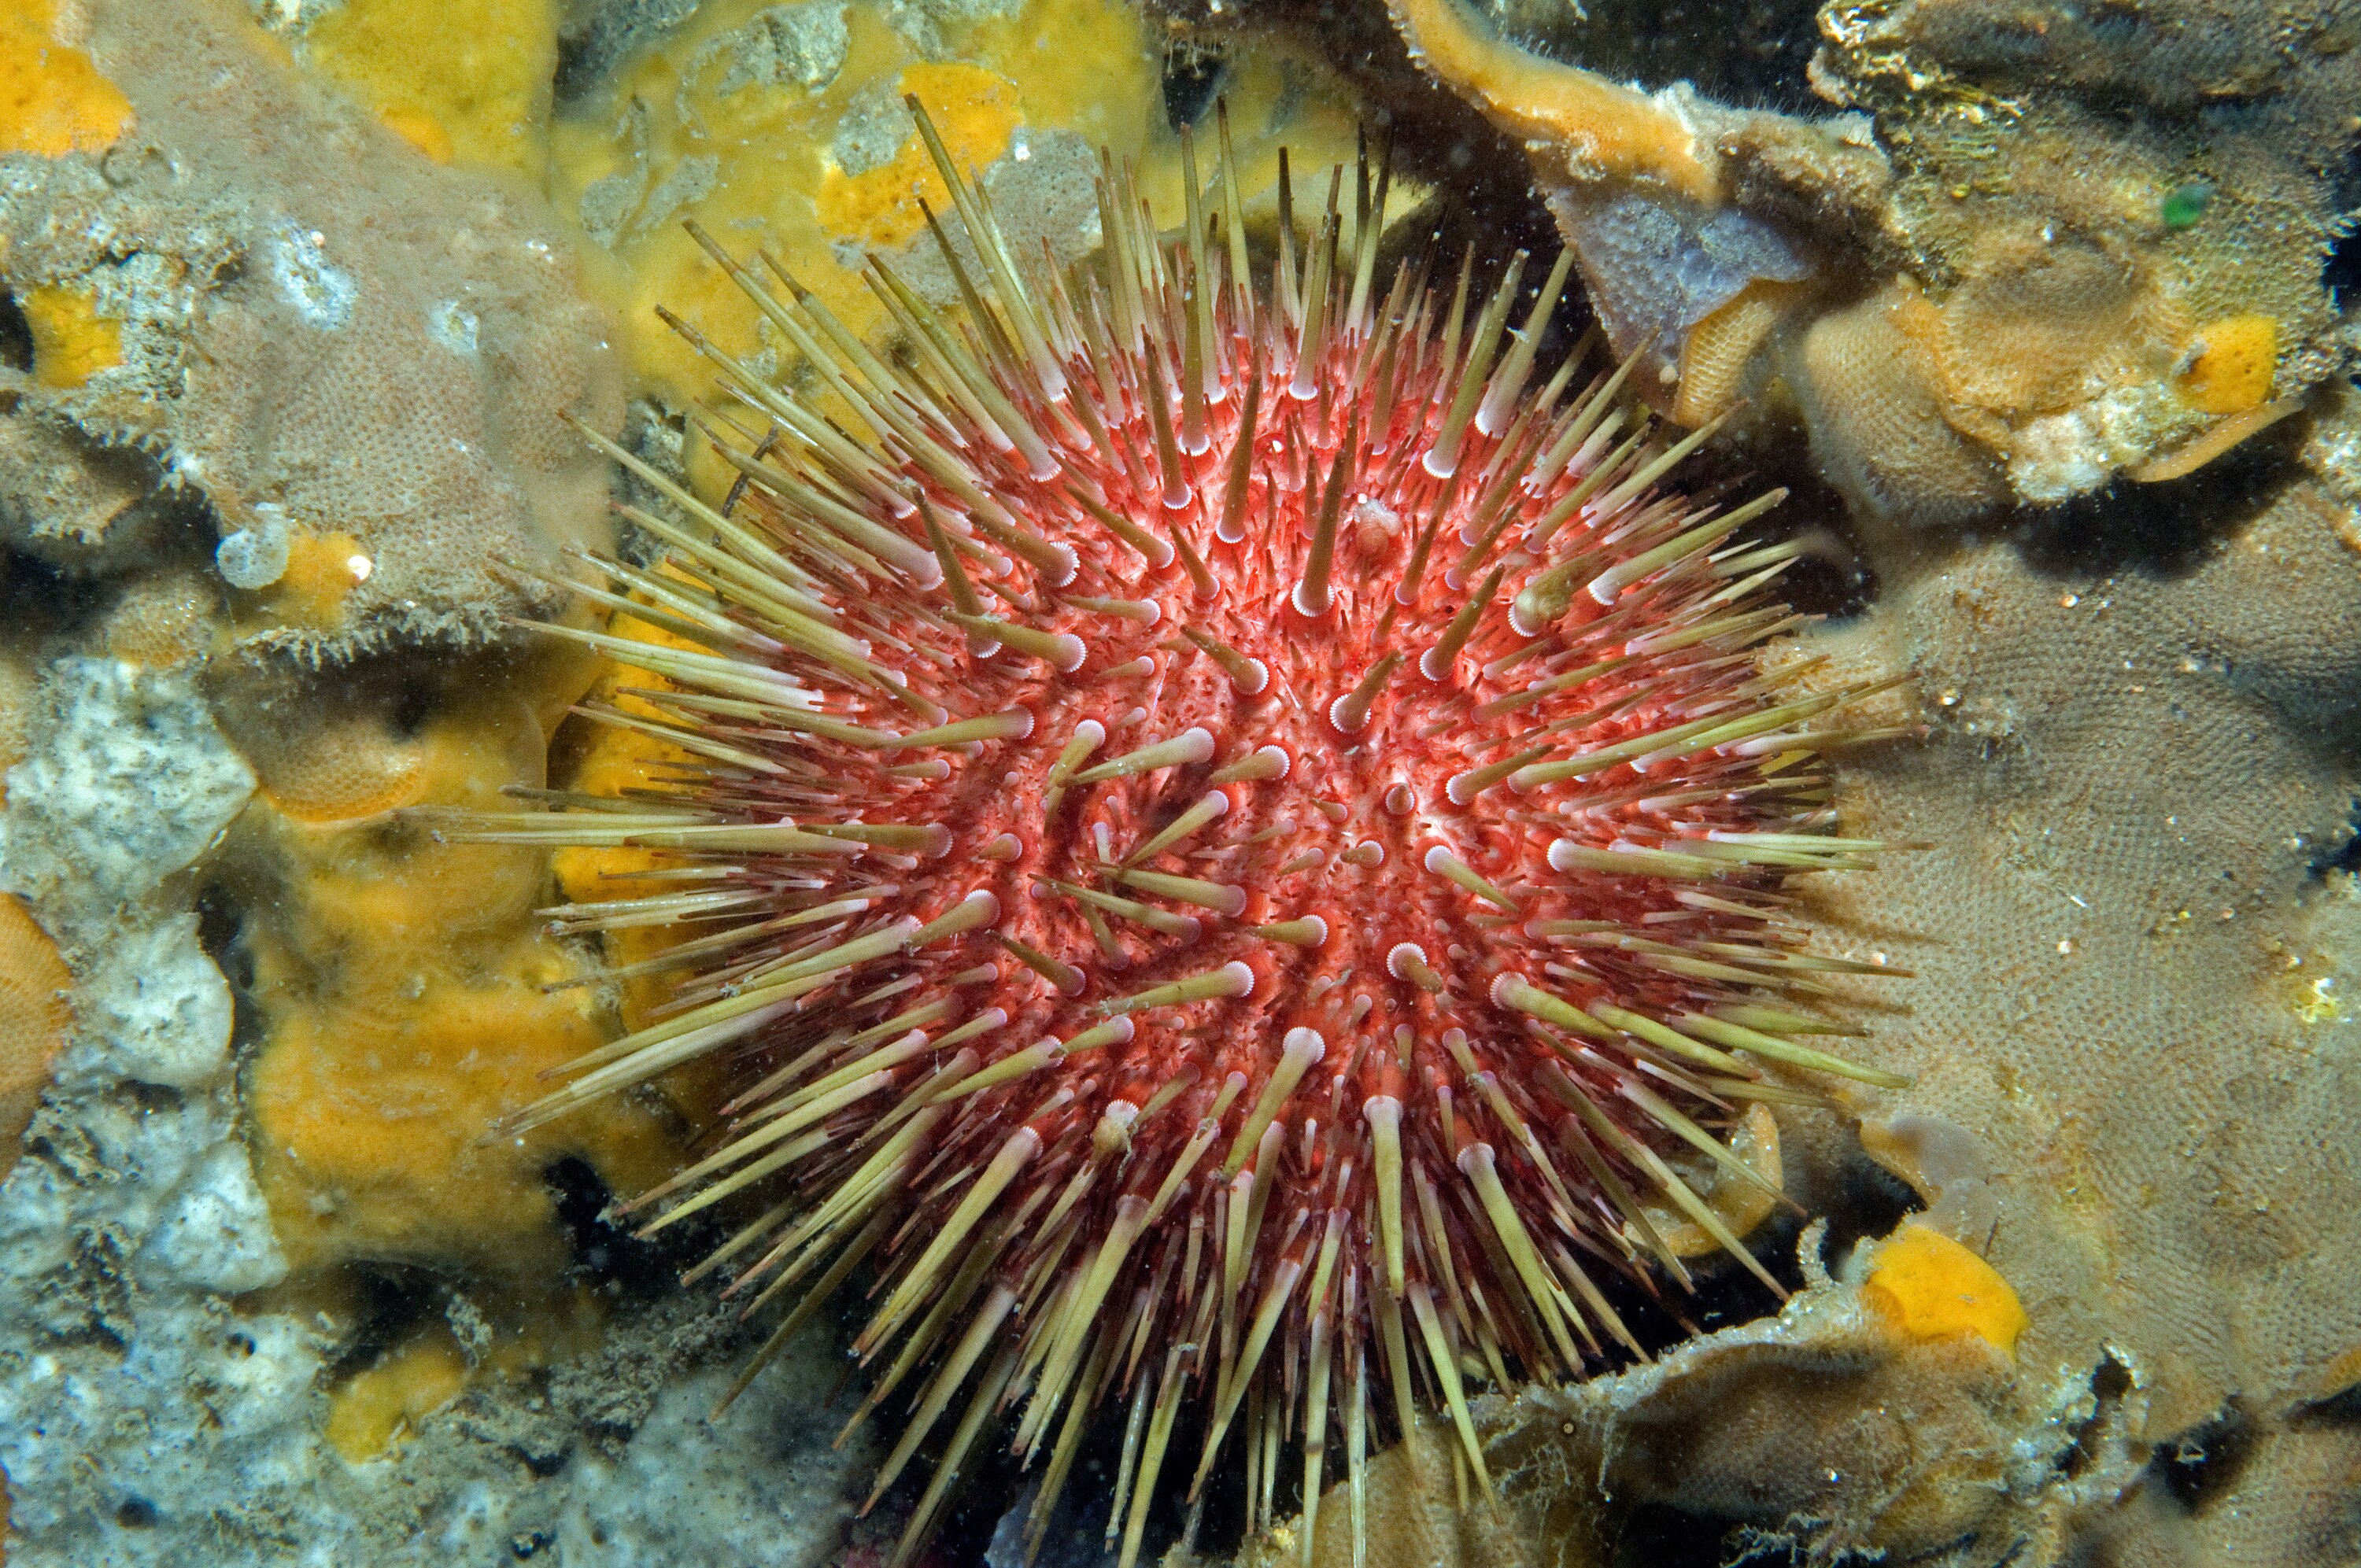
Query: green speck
2184	204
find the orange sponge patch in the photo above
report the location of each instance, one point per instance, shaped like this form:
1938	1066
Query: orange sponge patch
420	129
72	342
613	760
410	1009
162	620
373	1407
373	1108
53	100
354	770
372	1410
2343	1372
323	569
1927	1287
460	79
34	1018
2233	372
975	112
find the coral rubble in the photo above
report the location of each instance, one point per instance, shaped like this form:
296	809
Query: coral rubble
134	1209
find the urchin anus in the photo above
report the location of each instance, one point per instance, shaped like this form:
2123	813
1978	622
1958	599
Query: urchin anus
1236	836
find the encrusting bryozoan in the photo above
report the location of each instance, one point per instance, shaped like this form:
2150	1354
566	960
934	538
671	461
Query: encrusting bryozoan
1235	833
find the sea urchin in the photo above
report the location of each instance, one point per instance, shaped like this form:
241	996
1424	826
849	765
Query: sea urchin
1241	844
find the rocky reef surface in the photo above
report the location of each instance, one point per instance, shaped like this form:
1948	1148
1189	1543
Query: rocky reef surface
354	359
156	1407
2032	302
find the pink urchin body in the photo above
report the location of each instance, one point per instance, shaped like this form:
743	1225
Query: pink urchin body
1260	835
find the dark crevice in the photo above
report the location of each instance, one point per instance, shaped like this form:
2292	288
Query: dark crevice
1660	1315
1193	75
579	68
972	1517
2202	1464
2165	530
41	598
1654	1535
150	1099
1439	139
2341	275
185	527
1870	1201
607	1258
2346	855
1075	1533
2339	1409
984	1525
16	334
1749	53
598	38
1830	579
390	1301
543	1463
413	705
221	932
220	922
2109	1384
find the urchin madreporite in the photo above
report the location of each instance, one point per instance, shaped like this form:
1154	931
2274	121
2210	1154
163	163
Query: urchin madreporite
1237	837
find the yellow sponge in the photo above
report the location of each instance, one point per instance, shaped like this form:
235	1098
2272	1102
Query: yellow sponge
462	80
370	1411
53	100
34	1018
1927	1287
2233	372
974	111
72	342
